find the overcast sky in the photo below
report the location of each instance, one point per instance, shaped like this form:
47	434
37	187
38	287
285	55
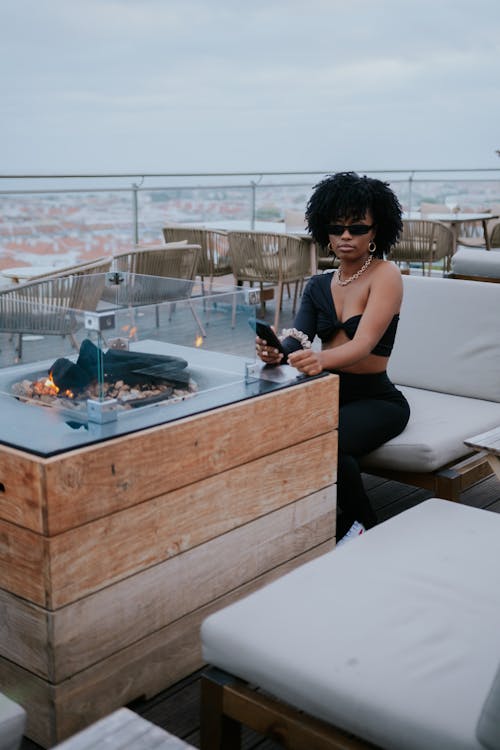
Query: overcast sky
223	85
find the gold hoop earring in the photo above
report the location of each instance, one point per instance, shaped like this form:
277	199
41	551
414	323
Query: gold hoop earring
371	247
330	249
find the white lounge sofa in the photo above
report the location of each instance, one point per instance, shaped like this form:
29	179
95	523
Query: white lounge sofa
447	363
387	638
476	263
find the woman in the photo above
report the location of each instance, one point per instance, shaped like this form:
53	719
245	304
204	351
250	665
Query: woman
354	311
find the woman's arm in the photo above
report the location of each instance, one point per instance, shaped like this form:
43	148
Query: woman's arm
305	321
384	301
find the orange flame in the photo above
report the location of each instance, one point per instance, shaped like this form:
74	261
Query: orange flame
47	387
50	385
198	341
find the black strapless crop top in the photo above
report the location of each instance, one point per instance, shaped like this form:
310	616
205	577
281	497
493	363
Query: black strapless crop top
350	326
317	317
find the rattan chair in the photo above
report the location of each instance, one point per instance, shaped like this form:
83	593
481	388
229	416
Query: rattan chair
47	306
326	260
174	260
98	265
214	257
264	258
478	264
152	267
425	242
472	234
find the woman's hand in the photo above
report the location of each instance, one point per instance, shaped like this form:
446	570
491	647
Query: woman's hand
267	353
306	361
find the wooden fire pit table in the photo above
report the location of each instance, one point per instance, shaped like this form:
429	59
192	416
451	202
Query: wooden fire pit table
112	554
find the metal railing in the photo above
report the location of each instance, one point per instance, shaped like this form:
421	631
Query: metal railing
133	206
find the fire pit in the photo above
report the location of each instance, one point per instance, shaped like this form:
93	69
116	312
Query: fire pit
130	379
119	536
193	355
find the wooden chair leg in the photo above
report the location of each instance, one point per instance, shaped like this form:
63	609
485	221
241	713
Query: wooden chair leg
217	732
295	296
227	704
277	308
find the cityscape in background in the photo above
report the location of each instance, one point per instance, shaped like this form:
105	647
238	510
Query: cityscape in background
61	228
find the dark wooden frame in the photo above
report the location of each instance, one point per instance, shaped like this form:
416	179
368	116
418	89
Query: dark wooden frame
466	277
447	482
227	703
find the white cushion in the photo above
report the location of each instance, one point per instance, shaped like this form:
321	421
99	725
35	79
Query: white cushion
488	725
394	636
476	262
439	424
448	338
12	722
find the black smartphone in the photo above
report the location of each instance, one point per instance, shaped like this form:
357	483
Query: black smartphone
264	331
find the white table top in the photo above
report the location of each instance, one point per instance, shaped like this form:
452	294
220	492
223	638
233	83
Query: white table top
26	272
489	441
460	216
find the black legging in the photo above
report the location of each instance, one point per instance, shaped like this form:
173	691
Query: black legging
372	411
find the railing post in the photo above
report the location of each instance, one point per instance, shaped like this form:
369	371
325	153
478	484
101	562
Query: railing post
410	189
252	209
254	184
135	209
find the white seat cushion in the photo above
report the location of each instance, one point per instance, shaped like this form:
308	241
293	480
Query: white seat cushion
476	262
439	423
448	337
12	723
394	636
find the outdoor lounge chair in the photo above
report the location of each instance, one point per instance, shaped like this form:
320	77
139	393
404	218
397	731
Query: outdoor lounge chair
425	242
268	258
157	274
47	306
390	641
214	257
478	263
446	361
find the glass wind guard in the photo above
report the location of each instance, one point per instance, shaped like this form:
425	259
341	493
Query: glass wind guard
156	343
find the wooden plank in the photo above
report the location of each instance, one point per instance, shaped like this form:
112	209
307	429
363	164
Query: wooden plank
23	563
35	696
98	625
126	542
24	633
98	480
122	544
144	668
101	624
21	488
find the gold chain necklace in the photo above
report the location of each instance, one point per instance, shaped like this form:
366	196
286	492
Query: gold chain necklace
355	275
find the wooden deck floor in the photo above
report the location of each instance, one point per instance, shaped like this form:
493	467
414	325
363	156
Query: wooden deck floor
177	708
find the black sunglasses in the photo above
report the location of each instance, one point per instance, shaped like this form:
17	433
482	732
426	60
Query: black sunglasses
354	230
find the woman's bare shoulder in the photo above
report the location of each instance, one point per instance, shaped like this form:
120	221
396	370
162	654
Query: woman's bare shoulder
389	269
387	281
